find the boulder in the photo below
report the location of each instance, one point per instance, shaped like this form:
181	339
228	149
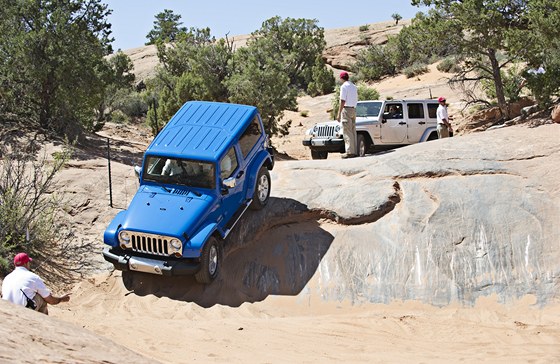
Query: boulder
444	221
515	109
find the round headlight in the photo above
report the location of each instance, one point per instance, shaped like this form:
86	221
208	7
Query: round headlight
315	129
175	244
337	128
124	237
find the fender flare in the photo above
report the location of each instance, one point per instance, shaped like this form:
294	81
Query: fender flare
262	159
110	235
196	243
427	133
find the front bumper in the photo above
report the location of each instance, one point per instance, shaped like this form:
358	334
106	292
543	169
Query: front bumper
322	144
123	261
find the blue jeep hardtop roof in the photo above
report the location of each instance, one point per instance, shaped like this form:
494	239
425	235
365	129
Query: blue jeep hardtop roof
202	130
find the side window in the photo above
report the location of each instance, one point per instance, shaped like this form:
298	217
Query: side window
432	110
393	111
228	164
415	111
250	136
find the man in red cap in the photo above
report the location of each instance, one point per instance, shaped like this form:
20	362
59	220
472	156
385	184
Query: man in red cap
347	109
443	124
22	286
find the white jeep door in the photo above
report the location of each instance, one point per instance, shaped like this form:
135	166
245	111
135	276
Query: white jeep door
393	124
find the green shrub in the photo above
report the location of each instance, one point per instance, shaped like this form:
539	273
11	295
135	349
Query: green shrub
119	117
374	62
545	87
364	28
367	93
323	81
30	215
449	65
415	70
131	103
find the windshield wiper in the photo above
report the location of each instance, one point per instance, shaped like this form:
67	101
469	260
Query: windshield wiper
159	184
196	193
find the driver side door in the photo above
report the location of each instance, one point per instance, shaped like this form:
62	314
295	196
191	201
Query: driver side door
393	125
231	197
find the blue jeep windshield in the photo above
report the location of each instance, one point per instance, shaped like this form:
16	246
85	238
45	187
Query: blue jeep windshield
176	171
368	109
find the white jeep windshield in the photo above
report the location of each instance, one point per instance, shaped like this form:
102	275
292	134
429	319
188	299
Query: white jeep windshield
368	108
178	171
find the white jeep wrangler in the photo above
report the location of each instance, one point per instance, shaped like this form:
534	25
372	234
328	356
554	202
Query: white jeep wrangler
379	125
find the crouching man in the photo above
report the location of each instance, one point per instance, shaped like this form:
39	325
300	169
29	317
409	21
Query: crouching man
25	288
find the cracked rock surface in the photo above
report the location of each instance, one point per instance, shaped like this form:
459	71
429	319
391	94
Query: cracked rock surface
449	220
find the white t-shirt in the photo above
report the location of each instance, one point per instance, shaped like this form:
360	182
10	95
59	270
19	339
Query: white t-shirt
171	168
441	114
22	279
349	93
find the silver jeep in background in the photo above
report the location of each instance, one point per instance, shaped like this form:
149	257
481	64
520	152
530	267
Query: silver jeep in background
380	125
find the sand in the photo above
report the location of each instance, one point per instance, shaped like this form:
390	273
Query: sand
284	329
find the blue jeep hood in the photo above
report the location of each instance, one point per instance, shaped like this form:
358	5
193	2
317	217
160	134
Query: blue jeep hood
155	211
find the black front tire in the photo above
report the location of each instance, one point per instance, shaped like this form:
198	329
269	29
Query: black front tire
210	261
262	190
319	154
363	145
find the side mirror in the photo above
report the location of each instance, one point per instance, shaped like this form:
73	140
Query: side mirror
137	171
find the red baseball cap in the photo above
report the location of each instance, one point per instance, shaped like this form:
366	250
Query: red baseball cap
441	99
344	74
21	259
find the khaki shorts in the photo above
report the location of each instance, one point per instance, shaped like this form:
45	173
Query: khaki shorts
41	304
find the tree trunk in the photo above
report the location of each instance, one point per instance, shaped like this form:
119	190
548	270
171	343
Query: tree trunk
498	83
47	95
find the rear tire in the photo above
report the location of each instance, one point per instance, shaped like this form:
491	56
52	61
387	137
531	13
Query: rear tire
316	154
210	261
433	136
262	190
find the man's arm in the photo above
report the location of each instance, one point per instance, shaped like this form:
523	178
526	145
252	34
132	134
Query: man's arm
55	300
446	121
342	103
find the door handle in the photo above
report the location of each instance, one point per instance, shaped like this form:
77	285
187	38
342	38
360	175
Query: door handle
402	123
422	122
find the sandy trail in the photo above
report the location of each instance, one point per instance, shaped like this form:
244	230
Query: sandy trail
305	329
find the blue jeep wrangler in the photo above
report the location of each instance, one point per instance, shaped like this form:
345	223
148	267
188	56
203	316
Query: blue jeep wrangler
199	175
